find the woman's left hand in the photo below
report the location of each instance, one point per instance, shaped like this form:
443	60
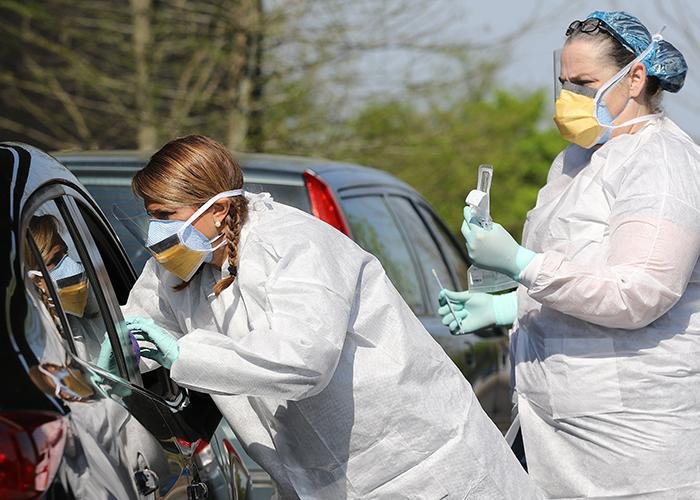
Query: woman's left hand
494	249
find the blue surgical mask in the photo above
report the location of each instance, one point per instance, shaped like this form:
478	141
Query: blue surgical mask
604	118
160	230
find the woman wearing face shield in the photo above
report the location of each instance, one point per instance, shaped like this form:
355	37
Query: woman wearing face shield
607	317
70	282
329	380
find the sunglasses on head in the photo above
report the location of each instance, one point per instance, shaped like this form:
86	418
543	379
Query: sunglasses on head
586	26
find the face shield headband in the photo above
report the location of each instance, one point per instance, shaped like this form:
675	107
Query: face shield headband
597	100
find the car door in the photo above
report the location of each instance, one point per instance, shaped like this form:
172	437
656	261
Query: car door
482	356
409	240
126	430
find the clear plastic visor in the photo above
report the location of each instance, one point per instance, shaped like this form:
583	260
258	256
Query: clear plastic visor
137	225
559	86
556	64
159	235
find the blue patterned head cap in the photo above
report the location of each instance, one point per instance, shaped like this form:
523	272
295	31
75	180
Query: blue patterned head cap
665	62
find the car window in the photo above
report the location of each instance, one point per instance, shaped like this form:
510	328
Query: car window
292	194
117	279
62	280
427	252
375	230
447	244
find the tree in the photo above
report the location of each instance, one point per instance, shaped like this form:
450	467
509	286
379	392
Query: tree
254	74
92	74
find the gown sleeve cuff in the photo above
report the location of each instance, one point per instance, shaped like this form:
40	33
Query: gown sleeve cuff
529	276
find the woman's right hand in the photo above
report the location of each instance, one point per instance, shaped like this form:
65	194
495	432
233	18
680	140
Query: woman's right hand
476	310
166	349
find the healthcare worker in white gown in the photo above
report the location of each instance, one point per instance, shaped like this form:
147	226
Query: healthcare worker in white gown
606	346
329	380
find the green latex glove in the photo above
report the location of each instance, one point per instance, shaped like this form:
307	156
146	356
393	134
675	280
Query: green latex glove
105	358
494	248
166	351
476	310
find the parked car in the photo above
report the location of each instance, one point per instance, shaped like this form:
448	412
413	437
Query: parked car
77	418
381	213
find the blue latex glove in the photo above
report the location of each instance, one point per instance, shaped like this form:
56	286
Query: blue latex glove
166	351
105	358
477	310
494	248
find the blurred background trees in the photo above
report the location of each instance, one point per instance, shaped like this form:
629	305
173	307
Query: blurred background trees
383	84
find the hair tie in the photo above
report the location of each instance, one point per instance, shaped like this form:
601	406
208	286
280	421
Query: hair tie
233	270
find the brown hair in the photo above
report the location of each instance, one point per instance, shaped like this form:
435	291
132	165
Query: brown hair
187	172
45	231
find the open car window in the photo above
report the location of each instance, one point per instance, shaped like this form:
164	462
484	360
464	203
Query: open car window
119	277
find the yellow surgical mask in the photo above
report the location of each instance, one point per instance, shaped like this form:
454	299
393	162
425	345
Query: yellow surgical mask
575	117
71	285
176	244
74	298
180	260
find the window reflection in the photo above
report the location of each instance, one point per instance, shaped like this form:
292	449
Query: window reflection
375	230
428	253
67	277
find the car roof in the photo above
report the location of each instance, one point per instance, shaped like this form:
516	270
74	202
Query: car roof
340	175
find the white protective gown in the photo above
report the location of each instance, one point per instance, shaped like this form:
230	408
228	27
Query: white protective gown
325	374
607	351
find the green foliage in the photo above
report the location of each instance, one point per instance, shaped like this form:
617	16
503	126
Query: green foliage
438	148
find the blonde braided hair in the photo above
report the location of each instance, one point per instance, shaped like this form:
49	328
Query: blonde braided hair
236	217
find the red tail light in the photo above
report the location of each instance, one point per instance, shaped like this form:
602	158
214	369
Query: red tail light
323	203
31	448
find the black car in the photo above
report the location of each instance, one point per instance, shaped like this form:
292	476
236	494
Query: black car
77	418
382	214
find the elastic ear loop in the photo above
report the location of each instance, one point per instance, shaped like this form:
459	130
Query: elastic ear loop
655	39
204	208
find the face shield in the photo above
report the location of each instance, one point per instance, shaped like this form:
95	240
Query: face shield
176	245
71	285
556	63
581	113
